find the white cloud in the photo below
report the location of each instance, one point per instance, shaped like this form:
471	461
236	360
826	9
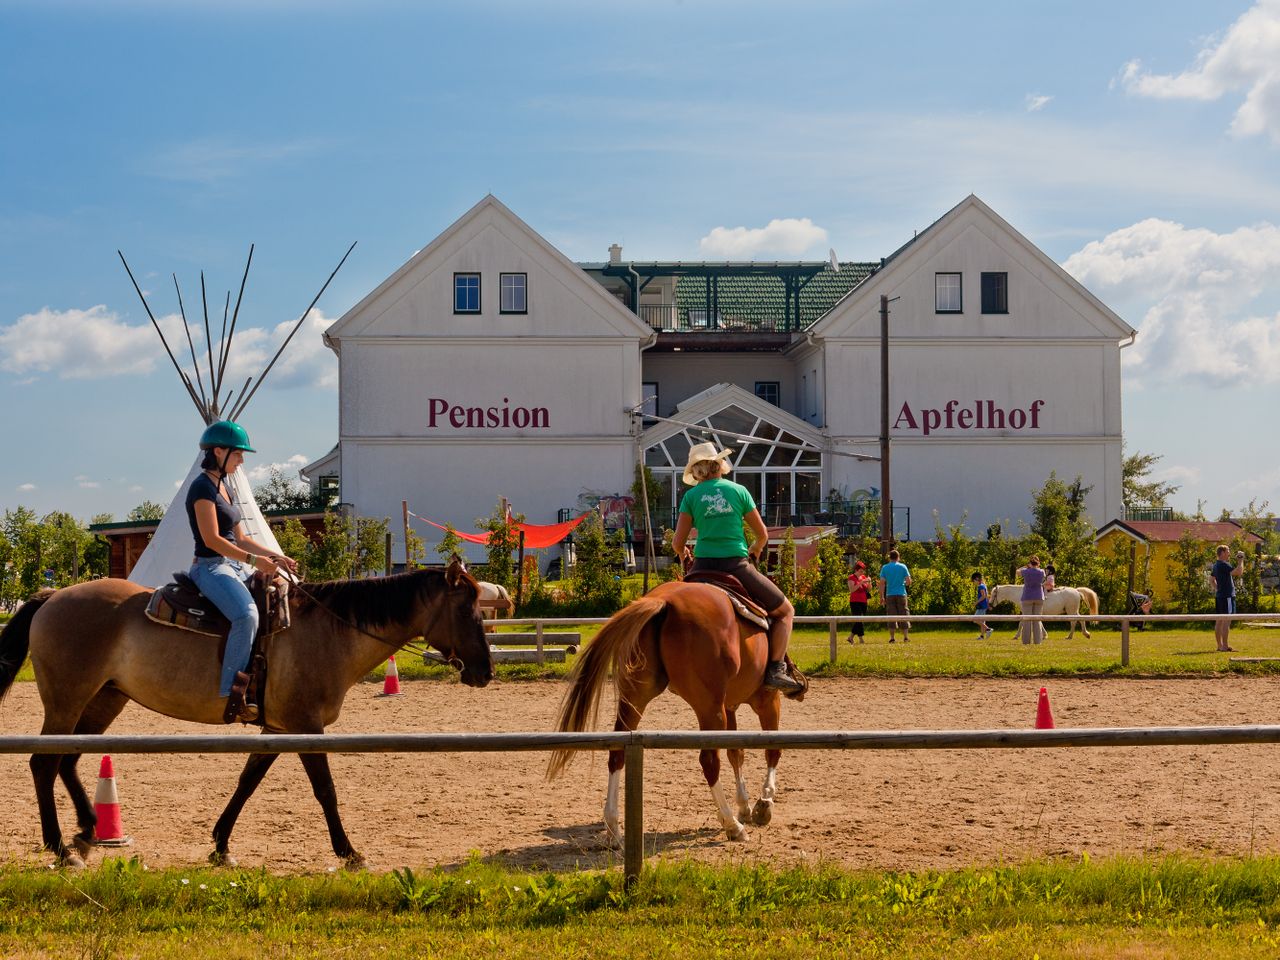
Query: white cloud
1037	101
85	483
261	473
1199	291
26	487
1179	475
1246	58
783	238
306	361
82	344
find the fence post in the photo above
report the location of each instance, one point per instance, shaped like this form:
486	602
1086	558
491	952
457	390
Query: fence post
538	639
633	814
1124	643
832	629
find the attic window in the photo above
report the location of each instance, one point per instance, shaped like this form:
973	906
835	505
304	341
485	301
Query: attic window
995	293
514	293
946	293
466	293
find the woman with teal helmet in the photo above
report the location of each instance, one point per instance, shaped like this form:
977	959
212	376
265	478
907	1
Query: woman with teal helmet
225	556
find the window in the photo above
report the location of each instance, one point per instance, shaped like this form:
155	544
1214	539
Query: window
770	391
995	293
466	293
513	293
649	394
946	293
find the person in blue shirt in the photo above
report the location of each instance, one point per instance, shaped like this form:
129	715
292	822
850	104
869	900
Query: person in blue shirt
1224	600
894	580
981	604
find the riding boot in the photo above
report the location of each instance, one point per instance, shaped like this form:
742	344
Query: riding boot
776	676
237	709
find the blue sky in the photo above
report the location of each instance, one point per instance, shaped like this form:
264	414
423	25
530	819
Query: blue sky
1136	143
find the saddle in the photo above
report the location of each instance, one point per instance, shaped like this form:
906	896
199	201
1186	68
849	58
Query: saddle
747	609
181	604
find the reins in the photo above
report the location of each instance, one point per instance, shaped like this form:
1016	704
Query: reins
295	582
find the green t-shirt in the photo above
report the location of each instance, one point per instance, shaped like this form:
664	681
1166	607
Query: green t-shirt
717	508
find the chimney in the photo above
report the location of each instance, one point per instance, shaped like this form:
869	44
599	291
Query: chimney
615	253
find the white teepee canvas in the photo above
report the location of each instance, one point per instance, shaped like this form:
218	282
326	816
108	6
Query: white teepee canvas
172	546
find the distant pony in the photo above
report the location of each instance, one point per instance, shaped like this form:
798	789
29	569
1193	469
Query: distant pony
1060	601
494	602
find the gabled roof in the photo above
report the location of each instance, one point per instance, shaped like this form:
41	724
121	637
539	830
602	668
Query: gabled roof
897	266
1171	531
712	400
403	280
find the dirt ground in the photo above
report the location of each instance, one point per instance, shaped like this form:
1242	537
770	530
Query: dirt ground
884	809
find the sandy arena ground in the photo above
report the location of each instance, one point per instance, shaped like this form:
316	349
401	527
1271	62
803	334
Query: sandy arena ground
901	809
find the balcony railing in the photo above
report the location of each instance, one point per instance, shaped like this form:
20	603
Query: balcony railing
676	318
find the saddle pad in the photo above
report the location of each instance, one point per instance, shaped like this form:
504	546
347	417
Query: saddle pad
197	619
745	607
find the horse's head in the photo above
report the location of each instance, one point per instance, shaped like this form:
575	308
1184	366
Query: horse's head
459	630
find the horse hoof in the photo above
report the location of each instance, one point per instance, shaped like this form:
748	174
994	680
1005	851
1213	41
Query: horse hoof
71	861
737	832
762	813
82	846
220	858
354	862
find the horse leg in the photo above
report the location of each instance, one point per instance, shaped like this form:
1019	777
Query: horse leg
716	719
317	767
628	718
255	769
769	709
740	781
98	715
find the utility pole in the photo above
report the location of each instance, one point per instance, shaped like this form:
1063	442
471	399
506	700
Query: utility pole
886	502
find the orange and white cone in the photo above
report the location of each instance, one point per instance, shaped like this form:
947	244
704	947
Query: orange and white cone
106	805
391	682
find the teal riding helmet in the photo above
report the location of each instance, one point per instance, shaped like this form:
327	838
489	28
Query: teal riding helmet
225	433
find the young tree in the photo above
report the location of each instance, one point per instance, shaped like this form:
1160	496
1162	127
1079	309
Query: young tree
595	583
504	540
293	540
955	557
451	544
63	542
25	573
1187	578
786	575
828	590
369	545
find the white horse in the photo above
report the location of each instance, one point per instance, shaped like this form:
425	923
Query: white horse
494	601
1057	602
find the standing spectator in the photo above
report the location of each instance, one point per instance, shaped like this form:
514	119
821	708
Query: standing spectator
1032	631
894	580
1224	600
981	604
859	589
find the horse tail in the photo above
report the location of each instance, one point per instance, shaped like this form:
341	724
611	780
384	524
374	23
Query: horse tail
614	646
1090	598
16	638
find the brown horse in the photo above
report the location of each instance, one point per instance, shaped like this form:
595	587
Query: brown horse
686	636
94	650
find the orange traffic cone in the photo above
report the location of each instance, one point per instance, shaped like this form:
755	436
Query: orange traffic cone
1044	716
106	805
391	682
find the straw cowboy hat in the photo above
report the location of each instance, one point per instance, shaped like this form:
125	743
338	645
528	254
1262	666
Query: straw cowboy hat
706	451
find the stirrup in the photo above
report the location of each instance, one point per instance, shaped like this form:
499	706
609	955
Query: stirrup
776	676
236	708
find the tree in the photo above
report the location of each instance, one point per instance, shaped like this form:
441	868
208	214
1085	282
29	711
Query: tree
504	539
1187	577
24	574
146	511
955	558
785	575
1060	521
451	544
829	587
63	542
599	556
1138	490
280	493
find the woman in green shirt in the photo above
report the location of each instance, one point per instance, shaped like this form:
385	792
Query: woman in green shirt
717	508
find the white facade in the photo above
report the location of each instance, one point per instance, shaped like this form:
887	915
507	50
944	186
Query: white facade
451	411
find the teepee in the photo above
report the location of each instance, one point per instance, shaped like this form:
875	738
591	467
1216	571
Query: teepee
170	548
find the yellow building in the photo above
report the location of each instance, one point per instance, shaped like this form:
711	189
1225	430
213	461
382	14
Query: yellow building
1151	544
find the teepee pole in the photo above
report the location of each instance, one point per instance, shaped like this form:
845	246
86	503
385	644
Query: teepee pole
208	340
222	337
186	382
262	376
195	364
226	352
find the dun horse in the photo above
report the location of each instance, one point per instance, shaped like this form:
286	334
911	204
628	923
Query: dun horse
94	650
686	636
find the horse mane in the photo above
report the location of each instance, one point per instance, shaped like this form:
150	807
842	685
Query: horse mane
375	602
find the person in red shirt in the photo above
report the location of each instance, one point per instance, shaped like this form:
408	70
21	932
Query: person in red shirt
859	585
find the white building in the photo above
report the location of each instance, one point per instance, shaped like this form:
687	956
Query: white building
490	365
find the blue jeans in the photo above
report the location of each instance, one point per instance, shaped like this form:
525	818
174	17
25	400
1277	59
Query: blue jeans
222	581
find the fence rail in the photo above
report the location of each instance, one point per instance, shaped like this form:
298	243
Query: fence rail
833	623
637	742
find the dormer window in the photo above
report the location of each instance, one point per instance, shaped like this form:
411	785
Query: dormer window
466	293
